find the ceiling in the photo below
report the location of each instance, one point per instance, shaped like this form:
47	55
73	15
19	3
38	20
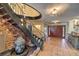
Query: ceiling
71	12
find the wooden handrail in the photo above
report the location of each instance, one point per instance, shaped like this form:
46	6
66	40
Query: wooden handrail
41	32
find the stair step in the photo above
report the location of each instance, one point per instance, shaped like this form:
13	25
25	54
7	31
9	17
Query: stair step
13	23
6	20
3	15
1	7
2	11
6	17
10	21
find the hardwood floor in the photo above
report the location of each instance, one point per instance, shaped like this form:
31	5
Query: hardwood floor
58	47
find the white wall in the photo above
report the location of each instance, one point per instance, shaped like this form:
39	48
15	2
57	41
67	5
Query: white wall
70	26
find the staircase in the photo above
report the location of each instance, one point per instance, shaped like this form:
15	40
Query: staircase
9	16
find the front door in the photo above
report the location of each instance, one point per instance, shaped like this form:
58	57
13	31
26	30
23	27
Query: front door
56	31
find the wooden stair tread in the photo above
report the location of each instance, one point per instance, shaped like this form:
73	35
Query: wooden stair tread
1	7
3	15
6	17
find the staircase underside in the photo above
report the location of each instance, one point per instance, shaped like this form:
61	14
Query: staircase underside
9	17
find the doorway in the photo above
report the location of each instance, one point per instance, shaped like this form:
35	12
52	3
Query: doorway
57	31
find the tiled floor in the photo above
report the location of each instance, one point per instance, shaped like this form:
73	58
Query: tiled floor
58	47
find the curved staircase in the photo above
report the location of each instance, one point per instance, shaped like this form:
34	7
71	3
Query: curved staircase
13	19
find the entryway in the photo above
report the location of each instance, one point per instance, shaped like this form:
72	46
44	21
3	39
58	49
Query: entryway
57	31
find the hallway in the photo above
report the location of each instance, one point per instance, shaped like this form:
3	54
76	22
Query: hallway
58	47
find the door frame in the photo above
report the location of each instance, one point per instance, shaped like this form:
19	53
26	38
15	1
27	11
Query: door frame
57	25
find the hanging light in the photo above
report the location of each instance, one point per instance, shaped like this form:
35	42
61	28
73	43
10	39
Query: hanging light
57	8
54	11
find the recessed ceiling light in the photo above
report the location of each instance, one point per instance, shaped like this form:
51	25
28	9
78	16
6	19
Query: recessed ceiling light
56	21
